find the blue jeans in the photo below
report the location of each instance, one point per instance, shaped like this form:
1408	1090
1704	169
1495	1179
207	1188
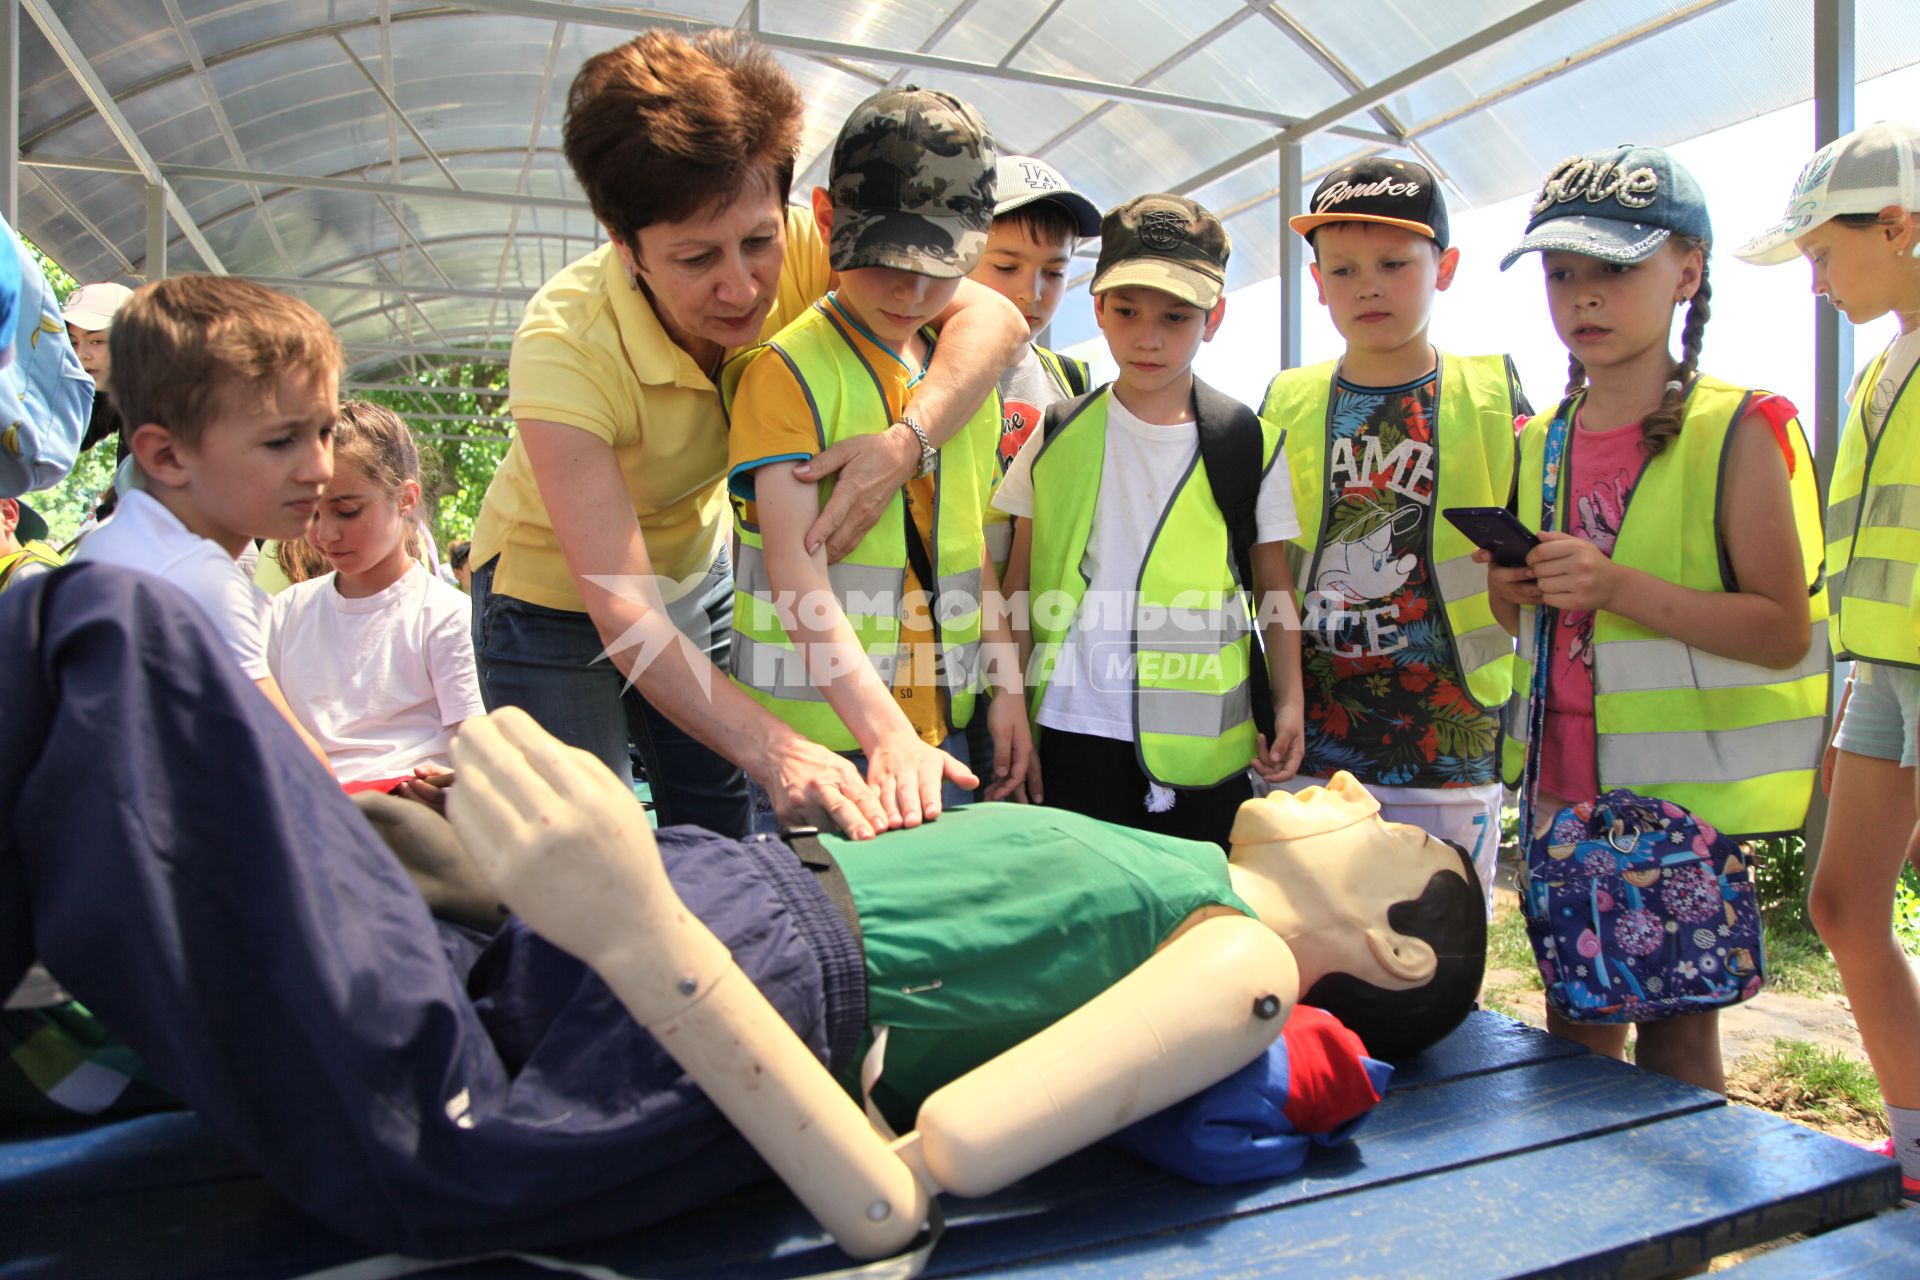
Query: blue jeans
951	797
548	661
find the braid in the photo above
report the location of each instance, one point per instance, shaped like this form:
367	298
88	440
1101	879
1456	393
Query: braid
1663	424
1576	375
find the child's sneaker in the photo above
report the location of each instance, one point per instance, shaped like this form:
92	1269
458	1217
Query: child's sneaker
1909	1190
1884	1147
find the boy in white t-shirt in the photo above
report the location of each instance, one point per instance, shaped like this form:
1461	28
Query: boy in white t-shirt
1140	672
229	391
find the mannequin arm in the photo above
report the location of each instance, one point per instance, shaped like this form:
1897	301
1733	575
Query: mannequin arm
566	846
1202	1007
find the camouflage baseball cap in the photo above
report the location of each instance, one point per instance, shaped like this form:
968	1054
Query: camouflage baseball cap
1164	242
912	185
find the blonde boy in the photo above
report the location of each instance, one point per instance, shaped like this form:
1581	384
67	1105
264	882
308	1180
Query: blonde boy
229	391
1141	667
1405	668
854	656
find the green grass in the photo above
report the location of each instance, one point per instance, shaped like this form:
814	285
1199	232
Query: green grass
1817	1086
1798	963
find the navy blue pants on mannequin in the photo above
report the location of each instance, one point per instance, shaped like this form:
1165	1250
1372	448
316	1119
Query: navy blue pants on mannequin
182	865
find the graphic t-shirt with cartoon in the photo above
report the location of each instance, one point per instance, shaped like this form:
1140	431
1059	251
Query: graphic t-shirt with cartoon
1384	695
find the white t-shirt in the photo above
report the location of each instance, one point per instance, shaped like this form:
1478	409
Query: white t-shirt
142	534
379	681
1092	687
1902	355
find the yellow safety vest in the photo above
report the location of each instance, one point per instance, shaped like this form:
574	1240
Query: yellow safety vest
1473	467
1873	520
1735	742
30	552
1191	628
1070	376
847	401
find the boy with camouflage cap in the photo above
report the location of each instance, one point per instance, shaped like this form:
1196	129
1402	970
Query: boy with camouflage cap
1141	669
877	657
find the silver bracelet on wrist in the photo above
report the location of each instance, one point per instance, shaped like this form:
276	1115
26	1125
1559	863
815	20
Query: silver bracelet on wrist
929	457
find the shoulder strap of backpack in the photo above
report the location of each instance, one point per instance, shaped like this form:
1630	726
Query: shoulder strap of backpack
1230	449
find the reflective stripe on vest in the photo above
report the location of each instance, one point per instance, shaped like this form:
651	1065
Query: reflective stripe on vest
847	399
31	552
1873	520
1473	465
1191	634
1735	742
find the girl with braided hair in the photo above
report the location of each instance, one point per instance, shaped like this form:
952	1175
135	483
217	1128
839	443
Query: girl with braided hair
1682	572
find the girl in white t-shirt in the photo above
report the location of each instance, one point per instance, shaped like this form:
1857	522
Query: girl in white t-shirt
376	657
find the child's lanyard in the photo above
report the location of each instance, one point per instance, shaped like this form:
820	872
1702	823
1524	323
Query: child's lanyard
1544	621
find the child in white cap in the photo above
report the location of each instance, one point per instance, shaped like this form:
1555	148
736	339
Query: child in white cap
1855	216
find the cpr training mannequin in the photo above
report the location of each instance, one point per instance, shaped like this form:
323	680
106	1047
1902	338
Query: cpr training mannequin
569	851
272	965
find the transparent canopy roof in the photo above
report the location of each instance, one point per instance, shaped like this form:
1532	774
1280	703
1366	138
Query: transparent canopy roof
398	164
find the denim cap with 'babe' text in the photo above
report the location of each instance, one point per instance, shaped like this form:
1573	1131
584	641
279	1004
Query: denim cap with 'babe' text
1618	205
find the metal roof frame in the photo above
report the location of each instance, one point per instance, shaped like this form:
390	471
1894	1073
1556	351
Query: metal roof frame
78	189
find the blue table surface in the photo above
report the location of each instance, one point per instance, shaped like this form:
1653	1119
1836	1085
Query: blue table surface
1500	1152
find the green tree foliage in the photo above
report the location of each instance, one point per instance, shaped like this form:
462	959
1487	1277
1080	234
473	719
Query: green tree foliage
457	458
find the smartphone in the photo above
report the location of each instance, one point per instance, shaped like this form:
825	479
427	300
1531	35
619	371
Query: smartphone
1496	529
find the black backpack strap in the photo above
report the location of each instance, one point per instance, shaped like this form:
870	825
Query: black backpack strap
1079	381
1230	450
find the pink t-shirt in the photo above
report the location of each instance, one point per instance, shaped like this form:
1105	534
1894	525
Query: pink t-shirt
1602	468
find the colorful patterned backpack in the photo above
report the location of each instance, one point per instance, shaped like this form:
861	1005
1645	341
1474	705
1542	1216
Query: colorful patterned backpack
1638	910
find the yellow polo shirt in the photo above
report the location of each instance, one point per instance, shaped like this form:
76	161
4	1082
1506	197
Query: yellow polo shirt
591	353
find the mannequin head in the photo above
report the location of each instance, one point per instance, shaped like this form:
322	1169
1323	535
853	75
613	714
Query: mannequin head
1387	923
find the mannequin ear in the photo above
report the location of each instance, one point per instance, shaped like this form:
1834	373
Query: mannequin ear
1409	960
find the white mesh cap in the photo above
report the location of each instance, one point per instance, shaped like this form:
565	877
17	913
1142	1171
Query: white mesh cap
1868	170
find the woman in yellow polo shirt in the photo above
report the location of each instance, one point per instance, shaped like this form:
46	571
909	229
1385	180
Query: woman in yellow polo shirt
601	584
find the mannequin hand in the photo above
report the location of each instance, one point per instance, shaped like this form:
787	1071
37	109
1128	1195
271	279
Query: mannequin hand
907	773
553	831
813	787
1514	585
1572	573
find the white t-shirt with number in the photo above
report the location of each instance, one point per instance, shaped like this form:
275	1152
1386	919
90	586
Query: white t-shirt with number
379	681
1092	687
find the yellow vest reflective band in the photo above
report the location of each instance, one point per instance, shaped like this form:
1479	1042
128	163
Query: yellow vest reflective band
1735	742
31	552
1473	467
1191	630
1873	521
847	400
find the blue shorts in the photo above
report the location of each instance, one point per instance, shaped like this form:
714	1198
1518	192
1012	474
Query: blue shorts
1880	717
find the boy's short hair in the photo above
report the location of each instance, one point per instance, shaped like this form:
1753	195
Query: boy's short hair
1044	222
1395	193
180	346
662	126
912	185
1034	196
1164	242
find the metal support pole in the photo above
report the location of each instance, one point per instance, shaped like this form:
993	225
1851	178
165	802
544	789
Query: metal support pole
1293	258
1833	32
10	113
156	233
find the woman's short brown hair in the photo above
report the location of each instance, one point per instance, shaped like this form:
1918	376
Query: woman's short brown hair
663	126
180	347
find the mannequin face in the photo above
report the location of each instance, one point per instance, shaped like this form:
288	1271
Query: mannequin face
1322	870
